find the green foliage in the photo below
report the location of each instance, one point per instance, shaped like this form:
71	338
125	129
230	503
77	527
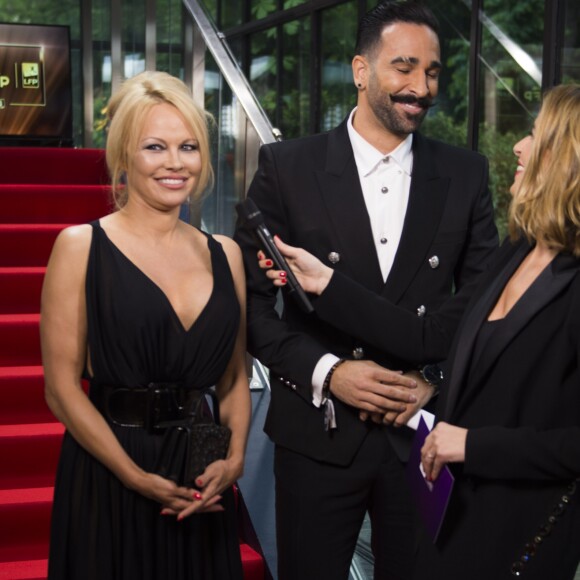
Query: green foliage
443	127
63	12
292	3
100	120
261	8
268	100
496	146
295	105
523	22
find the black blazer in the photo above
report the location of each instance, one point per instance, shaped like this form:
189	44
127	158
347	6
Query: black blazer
309	192
521	404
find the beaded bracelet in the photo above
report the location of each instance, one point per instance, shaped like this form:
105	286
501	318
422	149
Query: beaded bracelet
328	378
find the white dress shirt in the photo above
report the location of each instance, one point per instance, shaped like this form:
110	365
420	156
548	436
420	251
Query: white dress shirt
385	181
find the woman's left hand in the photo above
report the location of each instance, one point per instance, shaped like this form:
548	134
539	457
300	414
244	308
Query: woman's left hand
445	444
217	477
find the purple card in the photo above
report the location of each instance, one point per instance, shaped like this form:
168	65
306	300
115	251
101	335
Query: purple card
431	498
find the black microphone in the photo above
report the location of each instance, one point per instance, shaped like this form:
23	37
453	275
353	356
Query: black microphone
253	219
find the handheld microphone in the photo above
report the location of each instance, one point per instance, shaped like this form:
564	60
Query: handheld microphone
253	219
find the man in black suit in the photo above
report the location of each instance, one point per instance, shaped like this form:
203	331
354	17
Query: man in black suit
407	217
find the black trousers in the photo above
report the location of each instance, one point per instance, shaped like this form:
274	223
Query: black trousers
320	509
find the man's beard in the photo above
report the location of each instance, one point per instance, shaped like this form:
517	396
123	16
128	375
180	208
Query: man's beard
399	122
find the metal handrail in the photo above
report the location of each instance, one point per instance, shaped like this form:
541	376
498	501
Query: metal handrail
217	45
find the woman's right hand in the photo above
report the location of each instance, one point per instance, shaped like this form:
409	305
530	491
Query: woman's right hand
176	500
310	272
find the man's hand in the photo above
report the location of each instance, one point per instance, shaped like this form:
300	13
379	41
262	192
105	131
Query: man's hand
423	393
371	388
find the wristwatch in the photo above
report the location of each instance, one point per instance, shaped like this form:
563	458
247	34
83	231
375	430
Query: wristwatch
432	374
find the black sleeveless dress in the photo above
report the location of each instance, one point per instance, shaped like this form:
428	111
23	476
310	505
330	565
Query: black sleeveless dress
100	529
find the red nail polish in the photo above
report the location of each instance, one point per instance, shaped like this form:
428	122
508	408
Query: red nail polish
199	482
197	495
269	263
283	281
283	274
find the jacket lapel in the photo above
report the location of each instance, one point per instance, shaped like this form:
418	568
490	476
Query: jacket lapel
490	289
549	284
427	198
348	217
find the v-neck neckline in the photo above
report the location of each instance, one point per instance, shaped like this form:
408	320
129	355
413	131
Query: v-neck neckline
158	287
520	302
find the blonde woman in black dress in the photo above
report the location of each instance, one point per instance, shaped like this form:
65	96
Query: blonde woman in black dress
136	298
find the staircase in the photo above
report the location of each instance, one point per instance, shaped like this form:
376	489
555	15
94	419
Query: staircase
42	190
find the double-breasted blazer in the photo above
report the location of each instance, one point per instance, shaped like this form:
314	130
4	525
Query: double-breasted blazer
310	195
520	402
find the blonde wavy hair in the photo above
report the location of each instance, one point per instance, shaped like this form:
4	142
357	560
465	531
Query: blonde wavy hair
126	112
546	205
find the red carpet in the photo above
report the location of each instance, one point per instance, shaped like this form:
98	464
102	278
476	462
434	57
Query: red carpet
41	191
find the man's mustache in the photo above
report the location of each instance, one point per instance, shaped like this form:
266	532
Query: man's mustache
423	102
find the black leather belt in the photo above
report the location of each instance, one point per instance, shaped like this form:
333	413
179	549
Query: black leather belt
148	407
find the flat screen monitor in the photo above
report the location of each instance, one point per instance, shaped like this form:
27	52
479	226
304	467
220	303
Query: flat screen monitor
35	85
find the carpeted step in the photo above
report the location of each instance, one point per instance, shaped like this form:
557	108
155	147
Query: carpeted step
31	204
252	563
53	165
20	289
33	450
25	517
26	570
22	396
19	340
27	244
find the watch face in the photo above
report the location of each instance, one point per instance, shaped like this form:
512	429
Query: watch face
433	374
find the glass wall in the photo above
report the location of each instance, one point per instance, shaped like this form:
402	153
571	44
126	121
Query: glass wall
218	209
263	72
447	120
571	45
102	67
297	55
509	88
337	40
169	19
293	110
129	16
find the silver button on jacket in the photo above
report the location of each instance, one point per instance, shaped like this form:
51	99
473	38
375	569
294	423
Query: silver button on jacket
334	257
434	262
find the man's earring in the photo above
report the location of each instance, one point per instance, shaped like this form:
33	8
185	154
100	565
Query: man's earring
359	85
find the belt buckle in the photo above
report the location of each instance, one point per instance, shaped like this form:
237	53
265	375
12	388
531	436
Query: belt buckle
157	400
162	406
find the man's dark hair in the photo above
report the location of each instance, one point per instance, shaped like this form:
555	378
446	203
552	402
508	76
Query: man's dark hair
374	21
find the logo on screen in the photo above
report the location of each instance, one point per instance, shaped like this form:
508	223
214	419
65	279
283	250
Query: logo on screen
30	72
